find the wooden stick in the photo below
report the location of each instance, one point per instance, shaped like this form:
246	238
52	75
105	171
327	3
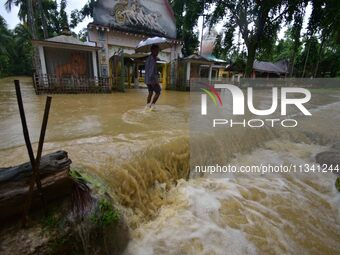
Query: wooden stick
23	122
43	129
34	162
40	148
36	178
37	160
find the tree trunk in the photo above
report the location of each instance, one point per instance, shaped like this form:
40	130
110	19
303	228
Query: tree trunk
122	72
292	62
43	19
14	183
306	60
319	56
292	67
251	47
30	19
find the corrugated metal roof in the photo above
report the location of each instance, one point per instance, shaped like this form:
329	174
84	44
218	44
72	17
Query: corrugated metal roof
280	67
283	64
67	39
215	59
196	57
66	42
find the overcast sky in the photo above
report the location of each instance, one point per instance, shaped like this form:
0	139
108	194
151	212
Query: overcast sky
12	17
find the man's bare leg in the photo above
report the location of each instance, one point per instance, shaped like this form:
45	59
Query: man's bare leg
155	98
148	101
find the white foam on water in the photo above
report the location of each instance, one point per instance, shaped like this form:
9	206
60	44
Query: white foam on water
162	115
191	226
281	215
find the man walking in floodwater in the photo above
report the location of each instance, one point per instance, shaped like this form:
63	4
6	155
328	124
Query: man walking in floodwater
151	77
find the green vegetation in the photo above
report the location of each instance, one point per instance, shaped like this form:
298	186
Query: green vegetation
94	229
95	184
105	215
51	221
314	53
311	58
47	19
187	13
61	237
15	50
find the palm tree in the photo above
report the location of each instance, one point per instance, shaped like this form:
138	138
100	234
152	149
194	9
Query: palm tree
5	36
21	34
22	56
5	39
26	13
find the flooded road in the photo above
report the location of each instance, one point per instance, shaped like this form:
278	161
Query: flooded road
143	158
113	123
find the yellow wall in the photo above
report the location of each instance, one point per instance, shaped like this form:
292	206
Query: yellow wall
164	73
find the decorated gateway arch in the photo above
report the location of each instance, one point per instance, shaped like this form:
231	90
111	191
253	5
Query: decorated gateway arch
119	25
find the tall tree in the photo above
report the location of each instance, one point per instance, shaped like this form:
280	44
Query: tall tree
258	21
42	17
26	13
5	35
49	18
5	39
78	16
187	13
15	50
324	20
329	65
63	15
21	57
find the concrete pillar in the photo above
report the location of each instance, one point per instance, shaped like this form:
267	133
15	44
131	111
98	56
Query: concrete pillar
172	67
94	65
42	60
135	74
210	72
121	84
129	76
43	65
188	70
164	73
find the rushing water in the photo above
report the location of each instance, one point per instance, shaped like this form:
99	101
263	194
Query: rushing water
143	157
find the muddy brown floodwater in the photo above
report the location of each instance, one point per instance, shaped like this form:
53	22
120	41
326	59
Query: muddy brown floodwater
143	159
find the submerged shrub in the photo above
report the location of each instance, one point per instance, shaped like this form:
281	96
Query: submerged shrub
106	214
